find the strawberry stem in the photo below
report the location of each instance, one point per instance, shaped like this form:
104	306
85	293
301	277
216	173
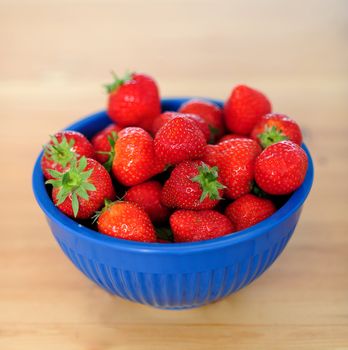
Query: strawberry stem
60	152
107	204
207	178
112	138
74	182
117	82
270	136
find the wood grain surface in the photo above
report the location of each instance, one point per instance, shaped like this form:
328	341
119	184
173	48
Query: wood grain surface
54	57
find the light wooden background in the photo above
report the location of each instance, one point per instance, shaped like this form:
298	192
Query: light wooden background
55	55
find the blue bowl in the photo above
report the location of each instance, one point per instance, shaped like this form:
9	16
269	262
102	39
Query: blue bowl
171	276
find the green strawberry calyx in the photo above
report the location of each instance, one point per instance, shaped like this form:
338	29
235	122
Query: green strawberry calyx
164	233
213	133
112	138
117	82
256	190
73	182
270	136
208	179
60	152
107	205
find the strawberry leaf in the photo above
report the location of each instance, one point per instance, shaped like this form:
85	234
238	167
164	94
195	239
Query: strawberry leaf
111	154
60	152
164	233
75	203
117	82
75	182
208	179
270	136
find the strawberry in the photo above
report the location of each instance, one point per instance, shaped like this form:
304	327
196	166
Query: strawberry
248	210
62	149
191	225
126	220
212	153
192	185
148	196
135	160
179	139
104	145
164	117
274	127
210	112
281	168
230	136
81	188
133	101
244	108
235	159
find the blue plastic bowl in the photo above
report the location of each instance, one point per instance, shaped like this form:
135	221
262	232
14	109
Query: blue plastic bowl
171	276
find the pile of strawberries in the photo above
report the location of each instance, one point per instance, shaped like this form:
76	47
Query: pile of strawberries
196	174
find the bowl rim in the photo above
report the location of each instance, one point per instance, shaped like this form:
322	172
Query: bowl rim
290	207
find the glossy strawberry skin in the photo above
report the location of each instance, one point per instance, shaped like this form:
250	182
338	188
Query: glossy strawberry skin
230	137
180	191
192	226
81	147
281	168
101	179
249	210
210	112
127	221
135	102
178	140
235	159
213	153
166	116
285	127
244	108
101	143
148	196
135	160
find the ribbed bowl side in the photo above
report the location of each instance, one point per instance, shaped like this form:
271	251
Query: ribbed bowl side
177	290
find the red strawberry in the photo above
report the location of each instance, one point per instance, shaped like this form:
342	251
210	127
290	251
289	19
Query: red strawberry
133	101
62	149
192	185
191	225
274	127
230	137
235	159
82	188
104	145
212	153
281	168
135	160
248	210
210	112
178	140
148	196
166	116
244	108
126	220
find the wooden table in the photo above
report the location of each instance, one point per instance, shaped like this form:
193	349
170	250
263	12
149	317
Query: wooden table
54	57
